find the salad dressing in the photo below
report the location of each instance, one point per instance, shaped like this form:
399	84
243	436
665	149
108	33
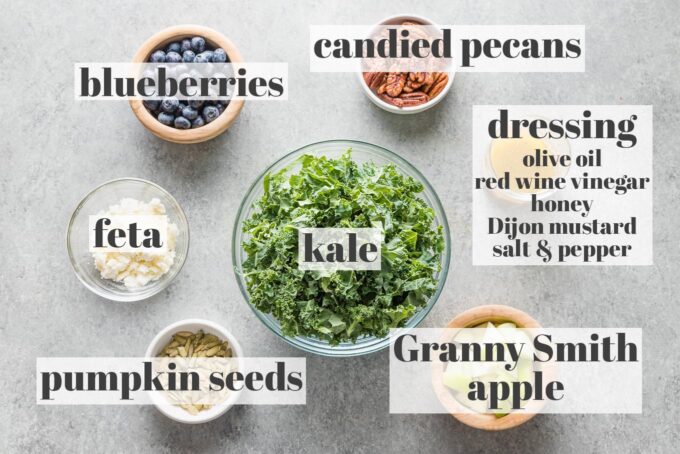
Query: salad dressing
506	155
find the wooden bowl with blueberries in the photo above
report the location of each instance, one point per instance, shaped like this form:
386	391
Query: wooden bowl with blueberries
187	121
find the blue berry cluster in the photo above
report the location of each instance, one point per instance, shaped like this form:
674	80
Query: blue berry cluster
192	113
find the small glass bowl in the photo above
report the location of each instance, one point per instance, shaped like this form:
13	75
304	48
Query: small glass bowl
555	146
101	198
361	152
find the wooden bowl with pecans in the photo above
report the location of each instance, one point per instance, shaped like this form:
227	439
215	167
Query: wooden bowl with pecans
405	92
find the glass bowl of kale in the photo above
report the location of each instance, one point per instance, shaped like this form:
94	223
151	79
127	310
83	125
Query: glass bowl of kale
348	184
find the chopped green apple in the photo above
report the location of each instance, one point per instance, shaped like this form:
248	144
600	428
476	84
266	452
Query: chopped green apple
467	336
517	336
492	335
478	406
525	370
458	376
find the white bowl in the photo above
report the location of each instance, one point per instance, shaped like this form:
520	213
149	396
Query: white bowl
397	20
162	338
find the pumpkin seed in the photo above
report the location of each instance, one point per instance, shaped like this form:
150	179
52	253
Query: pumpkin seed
212	351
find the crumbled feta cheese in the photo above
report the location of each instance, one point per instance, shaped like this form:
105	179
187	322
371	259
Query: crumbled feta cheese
136	269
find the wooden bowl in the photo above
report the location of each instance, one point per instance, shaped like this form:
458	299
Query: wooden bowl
210	130
468	319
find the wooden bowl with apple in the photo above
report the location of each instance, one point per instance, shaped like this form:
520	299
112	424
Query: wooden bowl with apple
479	317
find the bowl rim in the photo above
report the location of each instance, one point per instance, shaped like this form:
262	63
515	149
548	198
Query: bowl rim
378	344
187	136
234	395
473	317
99	291
404	110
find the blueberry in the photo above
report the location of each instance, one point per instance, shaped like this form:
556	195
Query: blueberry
169	104
158	57
189	113
174	47
201	58
195	103
166	118
208	55
151	104
186	45
219	55
210	113
222	105
188	56
198	122
173	57
197	44
182	123
180	108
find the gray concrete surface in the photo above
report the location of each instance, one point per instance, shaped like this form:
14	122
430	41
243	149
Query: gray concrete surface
54	150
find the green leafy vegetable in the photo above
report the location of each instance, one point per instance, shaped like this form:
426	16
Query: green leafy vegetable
341	306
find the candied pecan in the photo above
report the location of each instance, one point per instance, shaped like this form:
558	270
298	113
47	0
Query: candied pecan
427	83
369	78
394	84
412	95
376	80
394	101
438	85
413	102
414	99
417	77
413	84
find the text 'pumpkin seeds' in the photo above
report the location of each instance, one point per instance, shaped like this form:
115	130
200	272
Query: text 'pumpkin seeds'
341	306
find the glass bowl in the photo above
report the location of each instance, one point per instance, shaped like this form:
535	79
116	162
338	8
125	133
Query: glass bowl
101	198
361	152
